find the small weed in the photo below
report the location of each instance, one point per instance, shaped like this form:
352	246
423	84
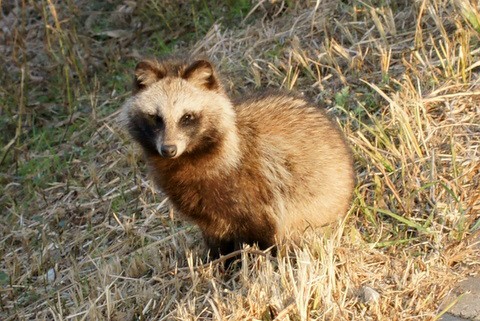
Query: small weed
342	97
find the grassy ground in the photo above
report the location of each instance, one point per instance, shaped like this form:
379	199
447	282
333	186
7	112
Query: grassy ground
84	235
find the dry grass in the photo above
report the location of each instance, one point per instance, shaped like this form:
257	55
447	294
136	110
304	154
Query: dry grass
84	236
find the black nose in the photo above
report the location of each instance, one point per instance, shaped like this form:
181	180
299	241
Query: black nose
168	151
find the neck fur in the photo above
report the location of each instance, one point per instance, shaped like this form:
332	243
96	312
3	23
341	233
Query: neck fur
230	150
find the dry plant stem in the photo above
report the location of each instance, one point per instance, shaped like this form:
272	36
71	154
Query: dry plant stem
215	262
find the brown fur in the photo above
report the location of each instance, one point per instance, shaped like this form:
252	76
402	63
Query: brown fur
254	171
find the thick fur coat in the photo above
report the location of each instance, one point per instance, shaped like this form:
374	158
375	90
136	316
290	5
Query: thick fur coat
258	170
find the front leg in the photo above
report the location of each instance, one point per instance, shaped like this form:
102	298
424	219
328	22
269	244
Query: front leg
219	246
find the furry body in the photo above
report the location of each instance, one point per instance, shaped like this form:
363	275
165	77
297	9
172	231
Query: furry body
254	171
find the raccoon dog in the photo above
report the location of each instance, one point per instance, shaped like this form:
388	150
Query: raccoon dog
257	170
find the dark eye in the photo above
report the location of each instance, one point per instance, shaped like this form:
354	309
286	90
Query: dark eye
187	119
155	120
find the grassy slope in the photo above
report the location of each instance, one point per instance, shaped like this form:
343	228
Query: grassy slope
84	236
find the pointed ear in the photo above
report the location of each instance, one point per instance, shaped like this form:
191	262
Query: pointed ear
146	73
201	74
